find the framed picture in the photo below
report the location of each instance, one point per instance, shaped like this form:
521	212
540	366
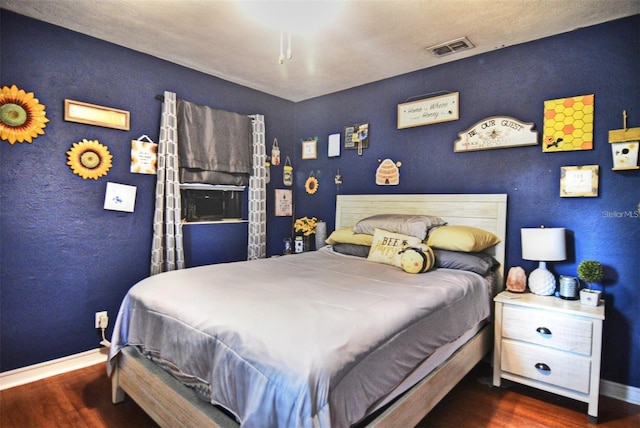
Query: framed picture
579	181
120	197
284	203
144	157
356	136
333	146
91	114
310	148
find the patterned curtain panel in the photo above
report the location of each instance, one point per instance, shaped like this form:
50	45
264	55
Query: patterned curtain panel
167	252
257	246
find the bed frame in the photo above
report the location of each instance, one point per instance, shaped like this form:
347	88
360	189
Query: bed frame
170	403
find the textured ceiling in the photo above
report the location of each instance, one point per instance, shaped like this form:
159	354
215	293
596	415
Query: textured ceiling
363	41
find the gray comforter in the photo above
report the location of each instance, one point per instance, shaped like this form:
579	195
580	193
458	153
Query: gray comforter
314	339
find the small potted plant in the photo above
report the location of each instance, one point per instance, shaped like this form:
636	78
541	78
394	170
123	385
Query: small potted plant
590	271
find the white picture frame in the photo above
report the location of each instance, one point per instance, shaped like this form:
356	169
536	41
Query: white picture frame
310	149
120	197
579	181
333	146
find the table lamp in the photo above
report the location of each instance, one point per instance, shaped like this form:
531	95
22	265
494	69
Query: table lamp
543	245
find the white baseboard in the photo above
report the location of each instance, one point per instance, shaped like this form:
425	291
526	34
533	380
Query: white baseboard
35	372
621	392
28	374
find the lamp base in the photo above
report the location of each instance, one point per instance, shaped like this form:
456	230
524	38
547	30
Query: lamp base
542	282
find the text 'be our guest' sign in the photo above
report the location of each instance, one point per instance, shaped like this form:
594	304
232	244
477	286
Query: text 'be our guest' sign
496	133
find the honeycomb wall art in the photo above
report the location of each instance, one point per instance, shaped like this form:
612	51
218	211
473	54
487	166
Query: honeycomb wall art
568	124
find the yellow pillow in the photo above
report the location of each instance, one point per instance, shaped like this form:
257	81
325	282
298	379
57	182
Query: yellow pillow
386	247
461	238
345	235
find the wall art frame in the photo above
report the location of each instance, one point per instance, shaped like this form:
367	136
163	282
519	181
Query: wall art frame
284	203
428	111
144	156
579	181
92	114
333	145
120	197
310	149
356	137
568	124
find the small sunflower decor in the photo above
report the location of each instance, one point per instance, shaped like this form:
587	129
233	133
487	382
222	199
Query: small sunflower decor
311	185
89	159
22	117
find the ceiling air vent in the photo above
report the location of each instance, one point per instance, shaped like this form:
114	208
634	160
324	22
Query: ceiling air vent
457	45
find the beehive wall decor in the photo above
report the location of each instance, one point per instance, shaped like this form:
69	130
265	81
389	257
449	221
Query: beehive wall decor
388	173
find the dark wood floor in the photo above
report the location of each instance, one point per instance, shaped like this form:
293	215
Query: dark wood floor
82	399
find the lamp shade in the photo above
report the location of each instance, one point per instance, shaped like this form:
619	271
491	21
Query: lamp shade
543	244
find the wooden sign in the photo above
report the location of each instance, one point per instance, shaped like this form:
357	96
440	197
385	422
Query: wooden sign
496	132
443	108
91	114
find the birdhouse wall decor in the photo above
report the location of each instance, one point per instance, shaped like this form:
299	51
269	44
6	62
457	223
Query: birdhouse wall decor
388	173
624	146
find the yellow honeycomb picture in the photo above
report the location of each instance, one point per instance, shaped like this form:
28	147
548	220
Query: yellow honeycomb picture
568	124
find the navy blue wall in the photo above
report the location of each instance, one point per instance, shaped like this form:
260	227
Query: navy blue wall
63	257
603	60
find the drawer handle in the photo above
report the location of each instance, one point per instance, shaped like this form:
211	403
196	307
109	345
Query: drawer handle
543	330
543	367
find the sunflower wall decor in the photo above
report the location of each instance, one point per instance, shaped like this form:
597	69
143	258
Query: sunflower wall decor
311	185
22	117
89	159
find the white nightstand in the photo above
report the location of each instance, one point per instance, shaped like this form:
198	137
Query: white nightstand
549	343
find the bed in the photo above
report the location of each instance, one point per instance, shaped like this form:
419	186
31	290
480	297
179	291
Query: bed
327	380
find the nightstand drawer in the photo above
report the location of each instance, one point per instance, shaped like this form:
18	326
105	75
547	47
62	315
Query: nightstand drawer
558	368
542	328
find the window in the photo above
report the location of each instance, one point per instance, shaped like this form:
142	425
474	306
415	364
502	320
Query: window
201	202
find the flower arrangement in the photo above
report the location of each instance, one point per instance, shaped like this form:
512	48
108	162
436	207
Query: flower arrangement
590	271
305	225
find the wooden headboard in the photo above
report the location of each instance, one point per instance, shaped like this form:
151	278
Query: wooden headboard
485	211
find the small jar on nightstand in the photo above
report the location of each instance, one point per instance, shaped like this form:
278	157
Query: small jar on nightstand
550	344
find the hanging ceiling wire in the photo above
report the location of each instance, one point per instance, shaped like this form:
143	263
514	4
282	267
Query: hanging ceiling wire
281	58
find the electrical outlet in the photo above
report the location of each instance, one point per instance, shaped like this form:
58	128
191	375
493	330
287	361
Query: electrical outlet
102	319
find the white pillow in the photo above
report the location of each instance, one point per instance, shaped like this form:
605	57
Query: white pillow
386	246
